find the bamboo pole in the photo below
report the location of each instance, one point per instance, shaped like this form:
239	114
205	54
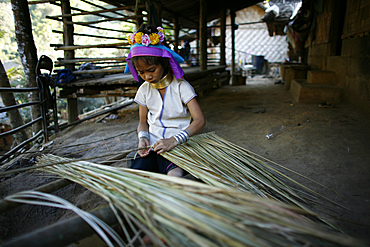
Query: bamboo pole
76	9
108	19
96	12
100	64
90	35
99	113
105	66
103	28
92	96
86	60
96	71
77	47
100	7
46	1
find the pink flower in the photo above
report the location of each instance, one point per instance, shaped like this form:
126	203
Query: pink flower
160	29
161	37
145	40
131	38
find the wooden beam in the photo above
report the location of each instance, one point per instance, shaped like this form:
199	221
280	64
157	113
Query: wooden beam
114	108
44	1
84	12
100	7
107	19
203	34
90	35
181	16
102	65
111	66
103	28
76	47
72	8
97	71
86	60
130	95
76	9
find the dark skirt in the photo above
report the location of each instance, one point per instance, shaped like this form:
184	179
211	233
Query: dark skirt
153	162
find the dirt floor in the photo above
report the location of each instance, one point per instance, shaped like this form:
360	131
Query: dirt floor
329	145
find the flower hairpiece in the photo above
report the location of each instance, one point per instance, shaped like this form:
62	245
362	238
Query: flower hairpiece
145	39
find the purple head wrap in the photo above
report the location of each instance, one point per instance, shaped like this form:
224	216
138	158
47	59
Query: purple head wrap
158	50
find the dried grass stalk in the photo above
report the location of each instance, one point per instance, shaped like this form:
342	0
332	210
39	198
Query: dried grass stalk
180	212
221	163
44	199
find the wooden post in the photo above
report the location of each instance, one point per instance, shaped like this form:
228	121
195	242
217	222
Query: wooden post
176	30
155	13
203	34
198	47
139	20
336	29
223	35
232	41
68	30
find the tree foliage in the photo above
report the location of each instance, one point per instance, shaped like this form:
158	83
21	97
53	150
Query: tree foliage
43	35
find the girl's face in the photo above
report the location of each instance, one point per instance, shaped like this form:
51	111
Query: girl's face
149	72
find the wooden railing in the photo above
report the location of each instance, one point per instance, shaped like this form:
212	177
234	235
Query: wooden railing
11	152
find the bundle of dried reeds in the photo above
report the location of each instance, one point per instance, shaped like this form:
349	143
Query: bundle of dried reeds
44	199
221	163
180	212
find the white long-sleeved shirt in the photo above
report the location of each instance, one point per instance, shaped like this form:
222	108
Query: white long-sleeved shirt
167	116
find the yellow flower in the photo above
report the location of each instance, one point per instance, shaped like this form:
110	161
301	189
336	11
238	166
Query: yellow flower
138	37
154	38
131	39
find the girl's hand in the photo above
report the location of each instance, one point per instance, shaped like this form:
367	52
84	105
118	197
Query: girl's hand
164	145
143	142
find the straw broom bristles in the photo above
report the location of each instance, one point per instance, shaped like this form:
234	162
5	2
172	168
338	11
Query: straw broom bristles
182	212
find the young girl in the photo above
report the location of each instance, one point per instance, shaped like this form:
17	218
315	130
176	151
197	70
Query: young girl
166	101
